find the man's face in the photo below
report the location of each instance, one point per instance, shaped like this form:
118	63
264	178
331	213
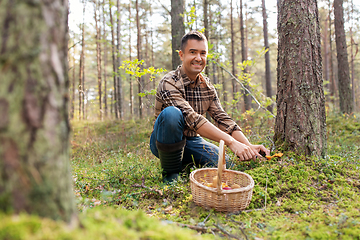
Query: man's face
194	57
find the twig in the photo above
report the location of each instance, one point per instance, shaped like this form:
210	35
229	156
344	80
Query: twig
142	185
225	232
164	7
197	228
247	90
241	228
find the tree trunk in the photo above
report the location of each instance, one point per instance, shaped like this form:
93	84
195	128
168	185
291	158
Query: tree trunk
345	98
105	60
115	96
73	88
82	66
247	97
139	57
206	32
300	124
177	29
267	56
130	78
98	57
234	86
34	127
333	85
119	87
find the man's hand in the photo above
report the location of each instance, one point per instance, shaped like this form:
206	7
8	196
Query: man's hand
245	152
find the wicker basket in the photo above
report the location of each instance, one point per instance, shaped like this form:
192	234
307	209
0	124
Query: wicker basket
221	200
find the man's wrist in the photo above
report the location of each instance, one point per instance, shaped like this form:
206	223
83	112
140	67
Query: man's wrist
229	141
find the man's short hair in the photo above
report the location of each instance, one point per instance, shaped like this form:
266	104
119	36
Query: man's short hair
191	35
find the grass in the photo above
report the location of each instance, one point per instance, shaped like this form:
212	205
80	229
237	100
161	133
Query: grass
294	197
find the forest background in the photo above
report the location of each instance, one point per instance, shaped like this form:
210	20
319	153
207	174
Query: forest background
155	49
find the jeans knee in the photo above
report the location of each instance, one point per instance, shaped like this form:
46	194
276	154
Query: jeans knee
172	118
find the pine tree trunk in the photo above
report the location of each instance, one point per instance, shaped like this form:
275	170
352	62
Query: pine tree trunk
130	78
333	85
234	86
267	56
105	60
115	96
34	127
345	98
247	97
300	124
73	88
177	29
82	66
119	82
139	57
98	57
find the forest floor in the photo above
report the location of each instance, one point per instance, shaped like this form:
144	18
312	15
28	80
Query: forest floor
294	197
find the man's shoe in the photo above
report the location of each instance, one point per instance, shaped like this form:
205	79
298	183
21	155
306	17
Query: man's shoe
171	158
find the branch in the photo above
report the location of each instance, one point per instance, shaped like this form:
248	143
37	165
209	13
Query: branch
73	45
242	85
164	7
225	232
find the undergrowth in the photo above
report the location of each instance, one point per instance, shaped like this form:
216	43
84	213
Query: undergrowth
294	197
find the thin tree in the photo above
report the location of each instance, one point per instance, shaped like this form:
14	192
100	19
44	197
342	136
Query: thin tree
82	67
130	78
247	97
34	126
345	98
115	95
98	55
333	85
177	29
300	123
105	57
232	36
72	111
267	56
206	29
119	82
138	46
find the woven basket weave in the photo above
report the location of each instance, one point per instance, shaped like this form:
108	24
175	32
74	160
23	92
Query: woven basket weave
221	200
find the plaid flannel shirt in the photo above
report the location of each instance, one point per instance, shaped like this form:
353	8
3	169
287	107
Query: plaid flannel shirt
194	99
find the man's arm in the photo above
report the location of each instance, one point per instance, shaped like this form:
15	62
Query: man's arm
238	143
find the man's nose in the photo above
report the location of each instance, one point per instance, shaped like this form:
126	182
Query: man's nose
198	57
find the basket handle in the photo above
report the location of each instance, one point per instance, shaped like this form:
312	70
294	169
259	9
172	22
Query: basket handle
221	165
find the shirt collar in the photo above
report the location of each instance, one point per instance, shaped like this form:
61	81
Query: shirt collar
187	81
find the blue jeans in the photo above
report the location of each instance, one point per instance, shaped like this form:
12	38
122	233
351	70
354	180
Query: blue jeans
168	129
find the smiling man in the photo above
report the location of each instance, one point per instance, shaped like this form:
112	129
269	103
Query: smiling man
183	97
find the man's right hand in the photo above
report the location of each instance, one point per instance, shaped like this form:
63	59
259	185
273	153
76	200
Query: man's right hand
243	151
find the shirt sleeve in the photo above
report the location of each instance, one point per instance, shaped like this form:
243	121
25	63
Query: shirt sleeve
169	94
222	120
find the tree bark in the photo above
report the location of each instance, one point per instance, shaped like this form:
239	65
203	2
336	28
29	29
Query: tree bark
105	60
247	97
35	173
119	82
177	29
234	86
115	96
267	56
73	88
139	56
300	124
345	96
82	67
130	78
98	57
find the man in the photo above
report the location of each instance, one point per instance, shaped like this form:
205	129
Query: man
182	97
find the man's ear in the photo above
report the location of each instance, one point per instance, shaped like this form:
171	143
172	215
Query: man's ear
181	54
